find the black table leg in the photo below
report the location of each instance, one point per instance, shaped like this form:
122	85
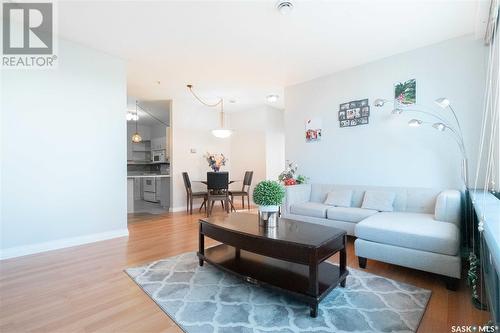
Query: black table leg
201	246
314	310
237	253
313	282
343	260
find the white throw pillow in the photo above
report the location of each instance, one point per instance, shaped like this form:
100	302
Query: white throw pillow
339	198
379	200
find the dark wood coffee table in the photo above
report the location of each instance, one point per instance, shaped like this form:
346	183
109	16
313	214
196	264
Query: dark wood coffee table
290	259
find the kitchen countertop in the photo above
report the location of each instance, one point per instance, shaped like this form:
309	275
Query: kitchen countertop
148	176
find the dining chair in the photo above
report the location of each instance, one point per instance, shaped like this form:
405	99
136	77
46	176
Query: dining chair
245	190
218	190
190	195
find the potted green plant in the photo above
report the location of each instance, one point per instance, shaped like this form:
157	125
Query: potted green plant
268	195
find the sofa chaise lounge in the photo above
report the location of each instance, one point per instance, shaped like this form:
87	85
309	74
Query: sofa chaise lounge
420	229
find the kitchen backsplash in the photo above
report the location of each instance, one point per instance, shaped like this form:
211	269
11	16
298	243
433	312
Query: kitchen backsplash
148	168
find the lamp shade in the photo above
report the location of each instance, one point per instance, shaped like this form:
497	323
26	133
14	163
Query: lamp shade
442	102
136	138
415	123
222	133
439	126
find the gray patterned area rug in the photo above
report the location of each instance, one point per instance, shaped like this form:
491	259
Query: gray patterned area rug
205	300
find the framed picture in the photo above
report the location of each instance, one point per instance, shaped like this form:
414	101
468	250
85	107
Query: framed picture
354	113
365	111
350	114
406	92
363	121
357	113
313	129
345	123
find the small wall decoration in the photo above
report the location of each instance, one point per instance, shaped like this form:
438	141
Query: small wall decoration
406	92
354	113
313	129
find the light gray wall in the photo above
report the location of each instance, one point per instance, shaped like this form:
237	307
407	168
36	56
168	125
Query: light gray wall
63	150
387	151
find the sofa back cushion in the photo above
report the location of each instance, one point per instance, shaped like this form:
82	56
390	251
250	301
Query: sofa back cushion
412	200
382	201
339	198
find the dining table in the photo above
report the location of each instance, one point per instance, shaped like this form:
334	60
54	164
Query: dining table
205	182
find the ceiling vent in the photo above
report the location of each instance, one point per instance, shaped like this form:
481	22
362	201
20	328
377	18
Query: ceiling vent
284	6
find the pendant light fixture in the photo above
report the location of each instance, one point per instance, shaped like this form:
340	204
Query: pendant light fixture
220	132
136	137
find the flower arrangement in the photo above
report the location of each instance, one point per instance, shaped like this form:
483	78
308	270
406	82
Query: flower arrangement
289	176
215	161
268	193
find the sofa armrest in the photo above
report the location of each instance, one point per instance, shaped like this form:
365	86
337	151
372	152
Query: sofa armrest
296	194
449	207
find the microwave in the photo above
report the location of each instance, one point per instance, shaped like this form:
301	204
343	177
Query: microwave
158	156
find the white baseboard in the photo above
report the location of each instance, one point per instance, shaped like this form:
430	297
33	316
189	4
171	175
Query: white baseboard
20	251
177	209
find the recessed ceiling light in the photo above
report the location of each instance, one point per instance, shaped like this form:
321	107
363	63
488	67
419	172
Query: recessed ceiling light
273	98
284	6
232	101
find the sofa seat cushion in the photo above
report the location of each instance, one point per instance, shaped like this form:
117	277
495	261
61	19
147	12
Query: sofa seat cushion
410	230
314	209
349	214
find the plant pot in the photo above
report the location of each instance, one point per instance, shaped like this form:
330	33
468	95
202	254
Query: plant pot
268	216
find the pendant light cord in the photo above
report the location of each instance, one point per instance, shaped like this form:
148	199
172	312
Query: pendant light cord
151	115
136	117
219	102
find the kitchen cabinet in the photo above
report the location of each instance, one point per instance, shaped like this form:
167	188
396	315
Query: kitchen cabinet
137	189
141	152
138	151
130	195
159	143
158	189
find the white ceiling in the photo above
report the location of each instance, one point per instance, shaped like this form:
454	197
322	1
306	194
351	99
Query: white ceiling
245	50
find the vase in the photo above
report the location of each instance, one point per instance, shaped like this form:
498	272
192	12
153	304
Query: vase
216	169
268	216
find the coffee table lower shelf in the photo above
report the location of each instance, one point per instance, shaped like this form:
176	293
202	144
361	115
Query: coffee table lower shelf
285	277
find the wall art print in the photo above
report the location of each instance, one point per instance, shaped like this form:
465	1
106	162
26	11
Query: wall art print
313	129
354	113
406	92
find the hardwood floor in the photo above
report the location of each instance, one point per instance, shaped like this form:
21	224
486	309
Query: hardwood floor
84	288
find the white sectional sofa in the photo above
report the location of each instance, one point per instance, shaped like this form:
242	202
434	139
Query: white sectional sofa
422	231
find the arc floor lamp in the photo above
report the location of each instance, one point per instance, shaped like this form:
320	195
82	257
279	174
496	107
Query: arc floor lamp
440	124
